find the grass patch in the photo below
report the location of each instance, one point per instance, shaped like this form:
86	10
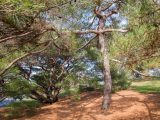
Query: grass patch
147	89
152	86
21	109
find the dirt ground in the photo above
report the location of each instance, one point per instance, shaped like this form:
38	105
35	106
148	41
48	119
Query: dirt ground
126	105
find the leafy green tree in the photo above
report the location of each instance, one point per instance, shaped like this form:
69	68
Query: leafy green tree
99	10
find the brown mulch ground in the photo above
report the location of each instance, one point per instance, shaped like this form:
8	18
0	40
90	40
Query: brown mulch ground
126	105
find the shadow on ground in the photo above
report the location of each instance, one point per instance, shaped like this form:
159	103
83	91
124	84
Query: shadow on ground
126	105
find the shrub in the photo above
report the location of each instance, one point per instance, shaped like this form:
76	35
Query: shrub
17	88
22	108
119	79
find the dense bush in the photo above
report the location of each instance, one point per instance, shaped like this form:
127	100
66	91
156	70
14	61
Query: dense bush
119	79
17	88
22	108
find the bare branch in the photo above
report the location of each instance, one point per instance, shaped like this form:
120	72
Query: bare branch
27	33
52	7
106	7
86	44
99	31
86	31
109	5
145	75
92	22
114	30
110	14
98	13
23	56
136	71
55	43
3	98
14	36
115	60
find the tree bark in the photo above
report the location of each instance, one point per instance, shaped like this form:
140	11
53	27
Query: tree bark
106	72
106	67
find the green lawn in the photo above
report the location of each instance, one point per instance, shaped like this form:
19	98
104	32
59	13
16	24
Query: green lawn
152	86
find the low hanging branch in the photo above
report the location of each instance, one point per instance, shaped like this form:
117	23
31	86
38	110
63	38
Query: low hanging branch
15	36
23	56
145	75
136	71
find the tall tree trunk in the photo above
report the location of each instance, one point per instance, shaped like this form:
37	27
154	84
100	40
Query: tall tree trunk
106	68
106	72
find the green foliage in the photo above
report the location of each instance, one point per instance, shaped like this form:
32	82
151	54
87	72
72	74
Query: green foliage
93	54
19	13
24	104
18	88
70	86
73	85
22	108
41	79
19	6
7	59
85	88
141	43
119	79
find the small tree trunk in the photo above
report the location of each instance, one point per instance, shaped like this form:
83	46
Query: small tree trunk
106	72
